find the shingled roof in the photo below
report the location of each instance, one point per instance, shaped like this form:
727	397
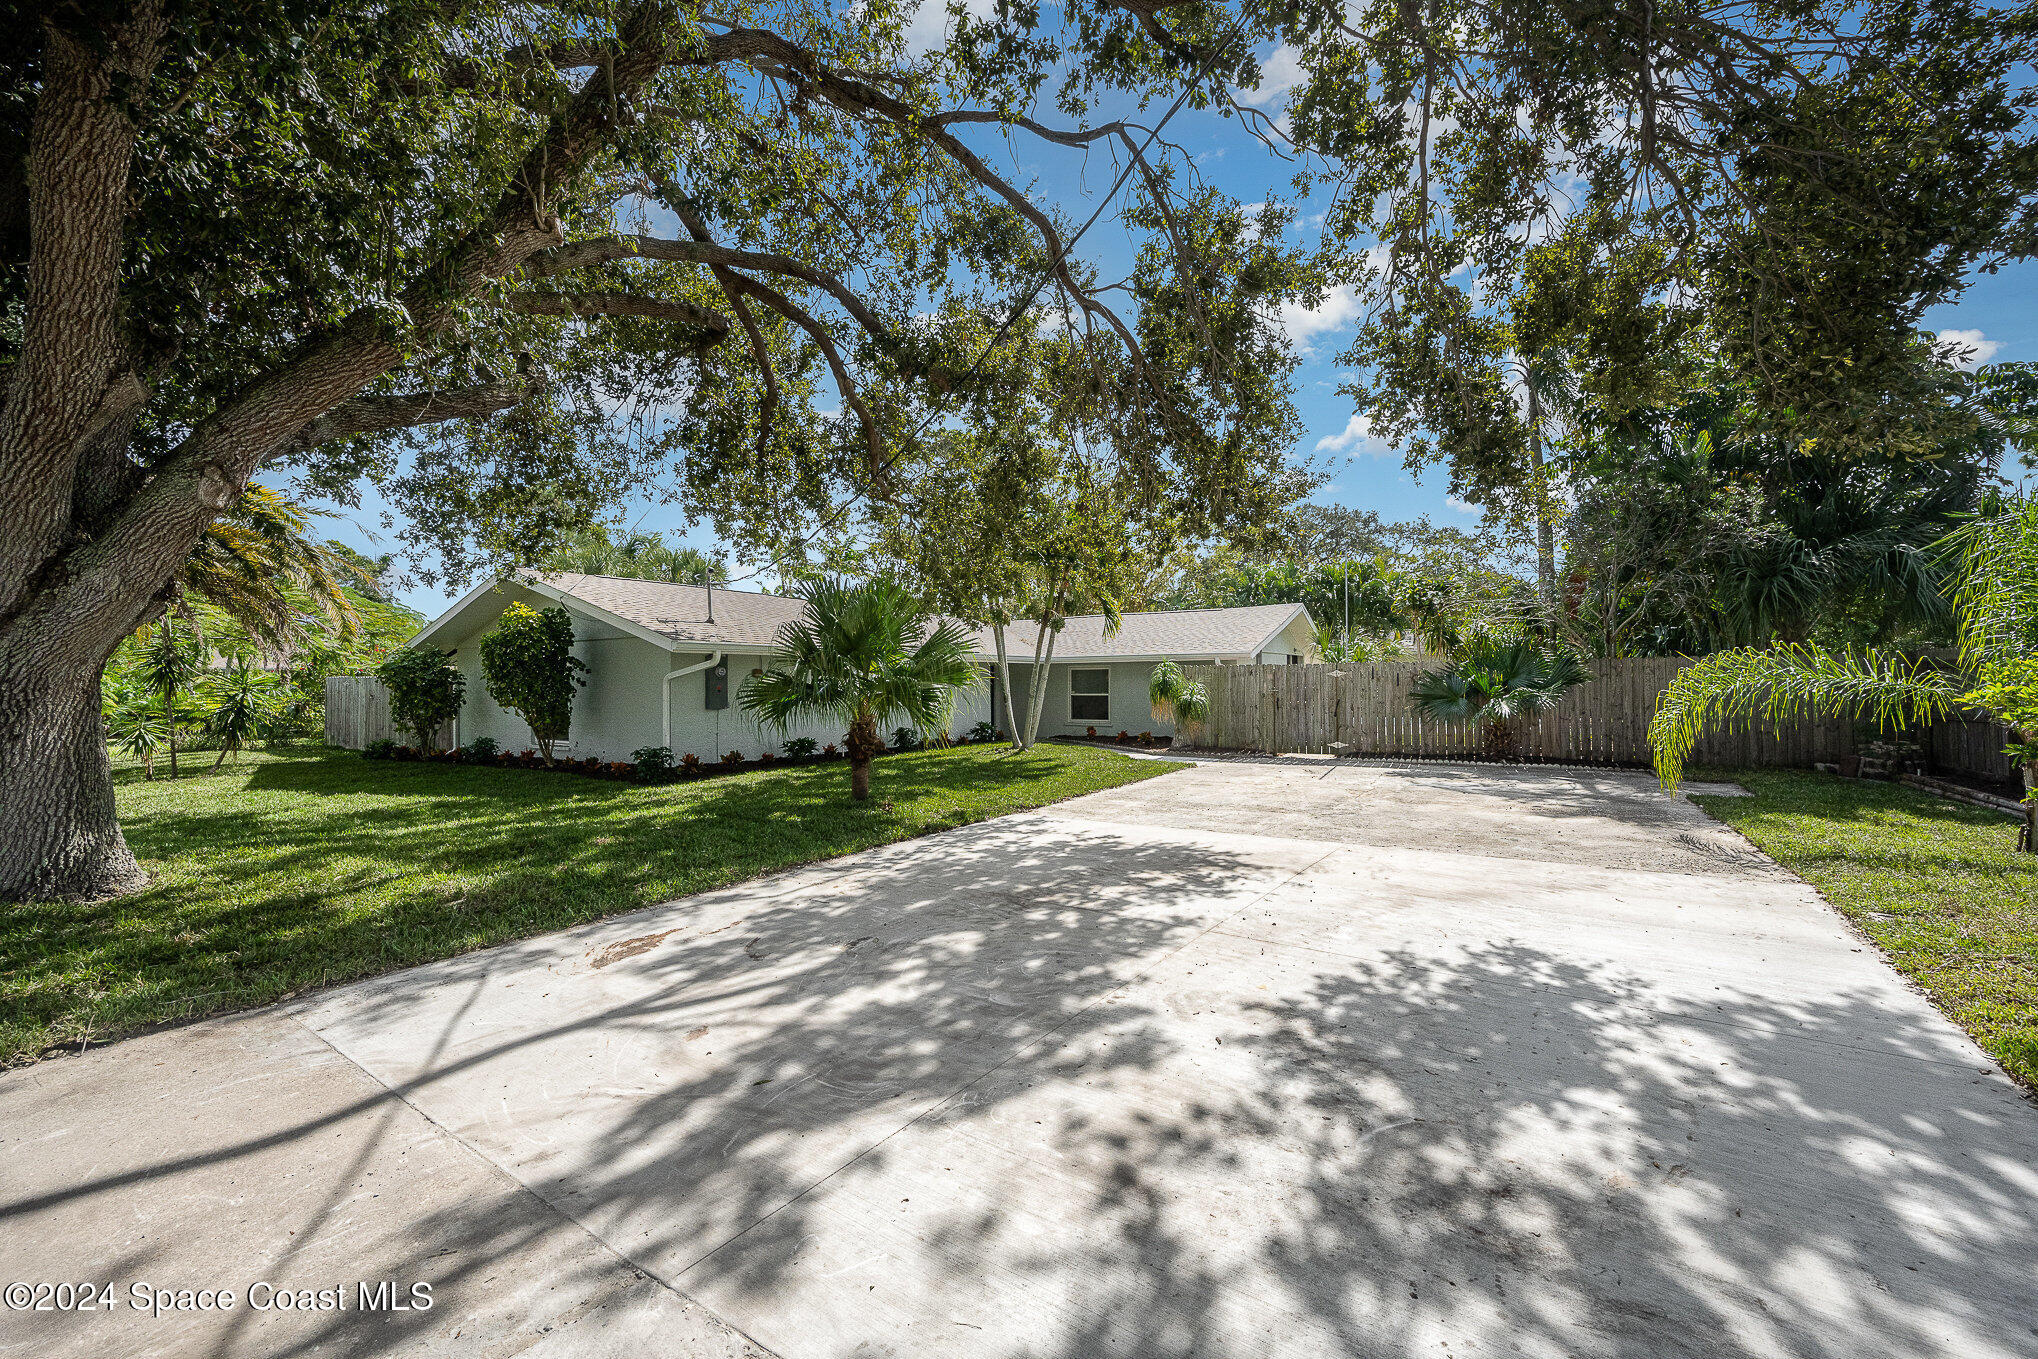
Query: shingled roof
1181	633
680	612
748	620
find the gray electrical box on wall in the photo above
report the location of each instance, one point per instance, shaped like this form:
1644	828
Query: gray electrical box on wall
718	685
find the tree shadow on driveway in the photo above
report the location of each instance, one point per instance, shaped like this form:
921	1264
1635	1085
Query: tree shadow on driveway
1046	1088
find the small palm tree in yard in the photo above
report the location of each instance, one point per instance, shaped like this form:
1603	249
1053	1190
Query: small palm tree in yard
863	655
1995	603
1499	684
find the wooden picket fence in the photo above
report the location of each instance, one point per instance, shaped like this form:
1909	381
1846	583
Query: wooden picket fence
1364	709
357	712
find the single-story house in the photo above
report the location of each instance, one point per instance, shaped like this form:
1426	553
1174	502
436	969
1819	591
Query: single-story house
665	664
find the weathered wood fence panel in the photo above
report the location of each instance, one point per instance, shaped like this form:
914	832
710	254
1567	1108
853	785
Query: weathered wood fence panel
1363	708
357	712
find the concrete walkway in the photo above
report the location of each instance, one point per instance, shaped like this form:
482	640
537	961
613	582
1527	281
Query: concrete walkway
1277	1058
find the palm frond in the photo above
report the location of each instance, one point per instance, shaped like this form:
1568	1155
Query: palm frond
1997	599
1793	681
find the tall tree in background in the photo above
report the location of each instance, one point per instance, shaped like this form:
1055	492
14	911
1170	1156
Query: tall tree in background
319	237
1783	196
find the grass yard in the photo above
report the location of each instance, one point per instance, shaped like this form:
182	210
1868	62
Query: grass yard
1939	885
305	868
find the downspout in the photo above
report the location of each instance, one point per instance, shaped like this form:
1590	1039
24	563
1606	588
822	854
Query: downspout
671	675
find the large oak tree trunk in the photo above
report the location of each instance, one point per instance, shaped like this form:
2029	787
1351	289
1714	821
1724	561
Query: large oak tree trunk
59	835
89	540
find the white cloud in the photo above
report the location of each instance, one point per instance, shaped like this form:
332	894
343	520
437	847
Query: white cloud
1280	71
1356	439
1338	309
1966	348
1462	507
929	28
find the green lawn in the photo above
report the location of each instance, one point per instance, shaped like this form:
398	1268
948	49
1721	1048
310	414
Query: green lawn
1939	885
304	868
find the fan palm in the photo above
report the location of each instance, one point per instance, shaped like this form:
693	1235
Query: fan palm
864	655
1995	603
1497	684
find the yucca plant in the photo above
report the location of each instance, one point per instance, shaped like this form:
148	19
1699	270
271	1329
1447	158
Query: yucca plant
863	655
133	721
1175	699
1499	684
1995	604
240	702
169	661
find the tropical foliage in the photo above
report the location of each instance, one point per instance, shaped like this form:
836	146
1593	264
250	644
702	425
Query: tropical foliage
258	565
1176	699
528	664
1996	605
1500	684
240	703
135	722
170	659
864	655
635	556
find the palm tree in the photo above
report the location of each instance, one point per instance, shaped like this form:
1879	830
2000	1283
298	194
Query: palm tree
862	654
1176	699
1497	683
1995	603
638	556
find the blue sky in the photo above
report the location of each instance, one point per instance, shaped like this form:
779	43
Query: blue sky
1995	316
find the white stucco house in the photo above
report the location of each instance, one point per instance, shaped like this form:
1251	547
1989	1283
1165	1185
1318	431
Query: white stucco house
665	663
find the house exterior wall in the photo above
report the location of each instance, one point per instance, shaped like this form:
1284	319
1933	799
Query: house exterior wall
1295	645
618	711
1130	708
620	708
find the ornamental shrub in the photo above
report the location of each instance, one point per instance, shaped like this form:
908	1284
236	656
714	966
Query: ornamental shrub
425	691
653	762
527	660
800	747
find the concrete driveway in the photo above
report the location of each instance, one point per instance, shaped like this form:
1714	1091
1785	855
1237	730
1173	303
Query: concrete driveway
1276	1058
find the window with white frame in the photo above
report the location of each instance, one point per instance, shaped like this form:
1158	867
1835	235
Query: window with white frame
1089	695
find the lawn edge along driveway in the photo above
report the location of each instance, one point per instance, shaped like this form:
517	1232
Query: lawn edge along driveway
298	869
1938	886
